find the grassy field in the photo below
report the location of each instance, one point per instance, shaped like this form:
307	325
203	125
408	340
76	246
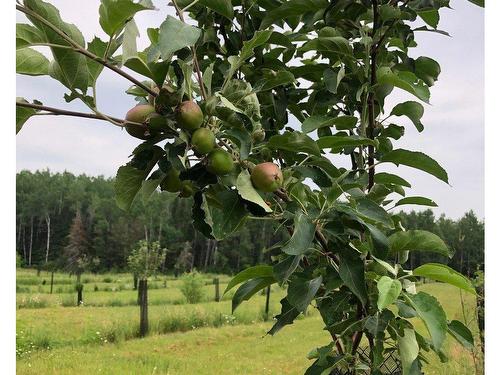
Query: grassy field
101	336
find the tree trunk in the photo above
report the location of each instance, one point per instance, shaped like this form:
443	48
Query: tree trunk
135	282
47	220
51	281
24	244
18	229
143	292
31	242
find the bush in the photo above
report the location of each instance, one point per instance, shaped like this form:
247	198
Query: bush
192	287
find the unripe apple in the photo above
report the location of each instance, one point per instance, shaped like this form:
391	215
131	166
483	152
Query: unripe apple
189	115
267	177
171	182
259	135
203	141
139	114
187	189
220	162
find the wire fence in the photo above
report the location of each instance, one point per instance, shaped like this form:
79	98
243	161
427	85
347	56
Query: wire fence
391	365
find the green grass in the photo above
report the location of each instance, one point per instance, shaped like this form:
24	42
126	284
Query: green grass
185	339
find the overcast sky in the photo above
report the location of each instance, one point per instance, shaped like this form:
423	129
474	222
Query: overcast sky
454	122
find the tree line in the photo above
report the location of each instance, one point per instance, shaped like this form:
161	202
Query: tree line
48	203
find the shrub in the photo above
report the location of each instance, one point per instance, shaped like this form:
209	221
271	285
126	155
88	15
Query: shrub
192	287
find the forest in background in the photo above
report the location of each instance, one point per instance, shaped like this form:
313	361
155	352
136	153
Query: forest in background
49	204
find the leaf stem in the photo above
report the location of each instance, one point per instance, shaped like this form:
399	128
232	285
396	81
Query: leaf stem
79	49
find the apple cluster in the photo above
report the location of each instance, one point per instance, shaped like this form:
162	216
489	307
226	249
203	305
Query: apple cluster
147	121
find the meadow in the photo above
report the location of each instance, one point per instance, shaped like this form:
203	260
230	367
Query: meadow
101	337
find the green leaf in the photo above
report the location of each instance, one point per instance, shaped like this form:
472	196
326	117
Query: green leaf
249	288
333	141
27	35
445	274
422	201
427	70
127	184
413	110
416	160
279	78
98	48
248	192
328	45
461	333
284	269
392	179
332	79
418	240
380	242
292	8
175	35
113	14
225	213
301	292
129	45
258	39
430	17
352	273
149	186
223	7
129	177
407	81
23	114
31	62
433	316
388	291
295	142
408	351
68	67
287	316
250	273
302	237
478	2
373	212
318	121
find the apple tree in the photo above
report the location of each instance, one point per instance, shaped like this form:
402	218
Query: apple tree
249	107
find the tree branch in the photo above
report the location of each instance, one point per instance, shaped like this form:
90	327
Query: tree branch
371	99
63	112
79	49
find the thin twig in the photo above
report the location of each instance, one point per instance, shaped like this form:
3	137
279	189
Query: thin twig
79	49
195	58
63	112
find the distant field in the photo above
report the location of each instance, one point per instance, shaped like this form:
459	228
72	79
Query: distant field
185	339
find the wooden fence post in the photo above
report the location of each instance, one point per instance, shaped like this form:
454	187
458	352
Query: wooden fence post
217	291
143	295
51	281
268	295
